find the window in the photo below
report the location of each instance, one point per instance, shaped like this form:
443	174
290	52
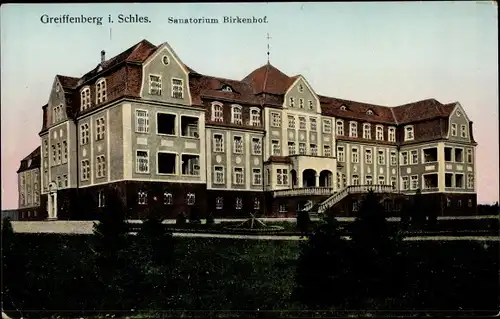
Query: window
257	176
393	181
380	133
255	117
256	203
414	182
469	202
381	157
256	146
100	199
238	176
166	163
406	184
45	148
154	84
165	60
219	203
313	124
227	88
65	152
459	155
236	116
302	123
394	159
453	129
301	88
85	99
340	127
100	129
291	148
301	103
276	147
190	164
59	185
168	199
327	151
283	208
327	126
275	119
237	145
302	148
281	176
409	133
367	131
343	108
166	123
391	134
354	155
141	121
291	121
84	134
368	180
414	157
470	181
459	181
341	154
100	166
101	91
368	156
238	204
218	143
381	180
54	155
469	156
291	102
459	203
314	149
311	105
142	197
219	175
142	162
59	155
353	129
217	112
369	112
355	180
85	170
190	198
404	158
463	131
177	89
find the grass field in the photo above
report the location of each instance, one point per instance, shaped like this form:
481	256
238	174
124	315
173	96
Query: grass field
246	275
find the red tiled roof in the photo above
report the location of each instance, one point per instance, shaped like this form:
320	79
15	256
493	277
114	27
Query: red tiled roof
68	82
34	156
268	79
421	110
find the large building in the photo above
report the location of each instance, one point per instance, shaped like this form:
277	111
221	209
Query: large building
148	127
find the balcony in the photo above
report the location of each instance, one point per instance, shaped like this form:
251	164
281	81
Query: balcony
304	191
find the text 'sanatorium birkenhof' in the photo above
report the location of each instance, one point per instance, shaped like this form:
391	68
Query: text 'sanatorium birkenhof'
141	19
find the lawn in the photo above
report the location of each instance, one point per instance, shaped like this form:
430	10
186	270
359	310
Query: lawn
246	275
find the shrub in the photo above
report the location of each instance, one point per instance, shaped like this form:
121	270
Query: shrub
210	220
194	216
181	219
303	222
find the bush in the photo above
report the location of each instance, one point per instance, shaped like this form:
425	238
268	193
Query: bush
210	220
303	222
194	216
181	219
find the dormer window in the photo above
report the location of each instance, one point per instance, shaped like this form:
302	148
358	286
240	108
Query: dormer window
369	112
236	117
165	60
227	88
85	99
101	91
409	133
301	88
217	112
343	108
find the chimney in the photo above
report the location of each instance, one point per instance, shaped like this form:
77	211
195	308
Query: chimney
103	56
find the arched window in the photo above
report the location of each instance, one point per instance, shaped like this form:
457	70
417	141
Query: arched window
236	116
100	91
217	112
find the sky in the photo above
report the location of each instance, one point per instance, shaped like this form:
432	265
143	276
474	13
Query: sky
387	53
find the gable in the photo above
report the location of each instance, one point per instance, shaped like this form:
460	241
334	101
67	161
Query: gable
301	90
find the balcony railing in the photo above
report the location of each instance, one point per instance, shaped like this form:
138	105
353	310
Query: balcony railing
353	189
304	191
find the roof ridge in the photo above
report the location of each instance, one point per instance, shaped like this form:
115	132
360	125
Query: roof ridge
265	78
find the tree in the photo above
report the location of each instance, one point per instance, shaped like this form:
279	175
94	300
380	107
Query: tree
117	273
375	257
322	269
303	221
418	214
